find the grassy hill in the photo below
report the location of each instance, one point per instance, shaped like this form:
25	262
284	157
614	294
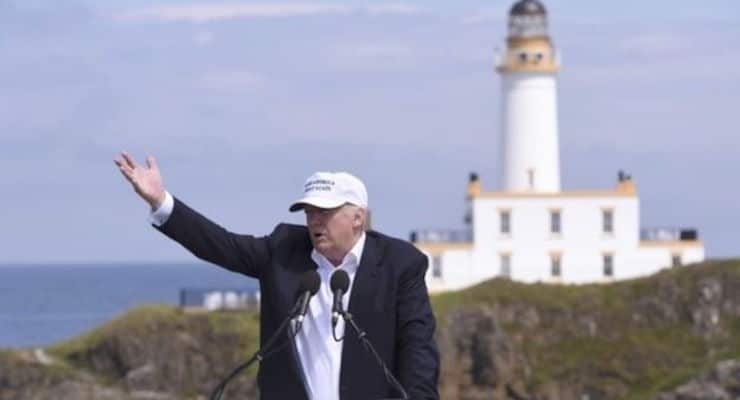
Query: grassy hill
498	340
624	340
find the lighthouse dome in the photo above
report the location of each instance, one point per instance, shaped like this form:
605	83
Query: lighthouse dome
528	19
527	7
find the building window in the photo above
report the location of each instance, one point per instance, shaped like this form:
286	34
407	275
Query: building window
436	266
676	260
530	178
555	222
608	265
607	221
506	265
505	220
555	266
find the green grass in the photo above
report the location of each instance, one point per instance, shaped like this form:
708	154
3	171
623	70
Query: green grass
19	361
246	325
149	322
646	358
138	321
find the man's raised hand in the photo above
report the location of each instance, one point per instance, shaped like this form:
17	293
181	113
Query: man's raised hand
146	180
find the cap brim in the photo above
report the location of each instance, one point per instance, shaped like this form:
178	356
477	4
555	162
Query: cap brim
316	202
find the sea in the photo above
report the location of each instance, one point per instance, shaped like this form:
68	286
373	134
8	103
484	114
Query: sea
43	304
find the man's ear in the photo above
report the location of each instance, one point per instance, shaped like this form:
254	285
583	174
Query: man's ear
359	220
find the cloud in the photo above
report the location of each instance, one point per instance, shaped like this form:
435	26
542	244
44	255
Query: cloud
394	9
203	38
232	80
381	55
656	44
375	50
51	19
660	56
486	16
203	13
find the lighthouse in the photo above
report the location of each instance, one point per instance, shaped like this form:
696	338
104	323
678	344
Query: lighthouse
530	229
529	159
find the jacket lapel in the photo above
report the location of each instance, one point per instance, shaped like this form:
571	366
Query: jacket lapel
301	264
364	285
364	291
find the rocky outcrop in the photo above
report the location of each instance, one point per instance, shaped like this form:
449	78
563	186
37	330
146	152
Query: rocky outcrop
483	357
507	341
23	377
641	339
721	383
156	353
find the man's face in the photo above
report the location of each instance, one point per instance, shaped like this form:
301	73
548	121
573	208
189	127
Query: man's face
332	230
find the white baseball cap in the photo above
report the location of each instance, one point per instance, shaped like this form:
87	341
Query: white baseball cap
331	190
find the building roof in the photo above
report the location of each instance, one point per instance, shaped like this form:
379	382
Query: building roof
528	7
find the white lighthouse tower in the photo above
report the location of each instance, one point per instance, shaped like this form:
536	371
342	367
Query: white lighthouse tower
529	149
531	229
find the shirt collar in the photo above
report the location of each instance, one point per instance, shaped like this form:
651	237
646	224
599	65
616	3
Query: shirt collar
351	260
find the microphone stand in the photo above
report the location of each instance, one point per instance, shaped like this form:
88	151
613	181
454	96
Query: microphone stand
260	355
362	335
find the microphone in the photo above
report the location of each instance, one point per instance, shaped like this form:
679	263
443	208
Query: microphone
310	282
339	286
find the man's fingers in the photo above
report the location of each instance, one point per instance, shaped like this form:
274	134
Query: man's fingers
129	160
152	163
122	165
127	172
128	177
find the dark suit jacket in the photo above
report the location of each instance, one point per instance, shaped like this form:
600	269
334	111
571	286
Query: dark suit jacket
389	301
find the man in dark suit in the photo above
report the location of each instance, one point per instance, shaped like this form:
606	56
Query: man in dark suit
387	294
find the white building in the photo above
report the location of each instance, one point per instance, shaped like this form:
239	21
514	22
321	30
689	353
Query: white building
531	230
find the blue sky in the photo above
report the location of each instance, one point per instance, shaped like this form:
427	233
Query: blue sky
241	101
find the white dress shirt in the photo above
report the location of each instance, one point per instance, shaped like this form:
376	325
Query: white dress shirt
320	355
159	216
